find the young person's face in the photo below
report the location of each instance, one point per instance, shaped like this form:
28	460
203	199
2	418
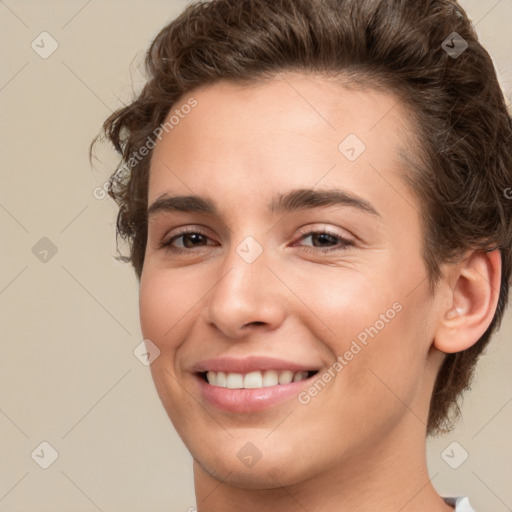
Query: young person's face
357	295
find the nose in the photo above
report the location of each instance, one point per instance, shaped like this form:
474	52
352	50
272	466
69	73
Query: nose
247	297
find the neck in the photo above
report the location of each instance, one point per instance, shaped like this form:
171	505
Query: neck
388	476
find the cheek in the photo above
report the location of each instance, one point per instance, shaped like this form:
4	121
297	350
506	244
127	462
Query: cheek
165	301
378	327
156	304
388	371
344	300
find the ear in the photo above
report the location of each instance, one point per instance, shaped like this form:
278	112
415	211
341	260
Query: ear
472	301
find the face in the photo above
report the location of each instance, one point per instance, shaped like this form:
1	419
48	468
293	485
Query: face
288	298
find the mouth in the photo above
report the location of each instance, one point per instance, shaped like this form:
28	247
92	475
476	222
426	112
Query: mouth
258	379
254	383
249	390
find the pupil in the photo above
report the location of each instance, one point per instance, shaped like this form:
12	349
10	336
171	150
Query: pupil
323	237
194	238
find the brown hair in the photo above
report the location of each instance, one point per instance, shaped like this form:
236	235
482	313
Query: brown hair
464	138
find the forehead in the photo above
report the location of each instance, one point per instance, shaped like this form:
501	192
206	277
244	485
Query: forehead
293	131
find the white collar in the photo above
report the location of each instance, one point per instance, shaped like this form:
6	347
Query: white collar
460	503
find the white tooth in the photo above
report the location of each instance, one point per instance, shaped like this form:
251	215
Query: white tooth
270	378
299	376
253	380
285	377
235	381
221	379
211	378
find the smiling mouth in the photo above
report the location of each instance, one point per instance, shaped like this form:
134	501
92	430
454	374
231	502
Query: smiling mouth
255	379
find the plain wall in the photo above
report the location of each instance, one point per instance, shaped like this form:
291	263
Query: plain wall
69	325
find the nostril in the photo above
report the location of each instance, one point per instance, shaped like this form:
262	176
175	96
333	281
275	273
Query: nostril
254	323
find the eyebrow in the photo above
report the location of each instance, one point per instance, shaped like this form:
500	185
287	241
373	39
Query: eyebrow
294	200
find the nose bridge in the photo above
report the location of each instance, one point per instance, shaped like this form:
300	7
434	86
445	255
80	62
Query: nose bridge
246	292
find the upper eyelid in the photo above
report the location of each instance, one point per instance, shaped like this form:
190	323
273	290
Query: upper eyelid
164	215
342	240
322	229
301	231
301	235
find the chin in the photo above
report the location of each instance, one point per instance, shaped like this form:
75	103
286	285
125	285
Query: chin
239	463
272	473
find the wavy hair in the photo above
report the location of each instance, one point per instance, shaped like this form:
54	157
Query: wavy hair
463	126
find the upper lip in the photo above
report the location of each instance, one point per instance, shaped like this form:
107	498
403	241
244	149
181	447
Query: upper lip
249	364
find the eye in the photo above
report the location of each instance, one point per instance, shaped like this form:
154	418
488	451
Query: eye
325	241
186	240
321	241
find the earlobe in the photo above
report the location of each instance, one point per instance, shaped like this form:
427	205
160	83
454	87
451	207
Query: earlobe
472	304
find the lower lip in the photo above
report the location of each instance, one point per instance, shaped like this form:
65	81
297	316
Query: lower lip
249	400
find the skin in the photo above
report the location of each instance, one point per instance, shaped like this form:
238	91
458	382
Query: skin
358	445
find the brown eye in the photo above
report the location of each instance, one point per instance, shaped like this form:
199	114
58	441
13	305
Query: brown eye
189	240
325	241
186	241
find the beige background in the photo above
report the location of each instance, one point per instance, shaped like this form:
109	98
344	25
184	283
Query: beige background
70	324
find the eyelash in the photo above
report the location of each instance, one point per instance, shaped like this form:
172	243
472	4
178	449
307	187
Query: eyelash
341	241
